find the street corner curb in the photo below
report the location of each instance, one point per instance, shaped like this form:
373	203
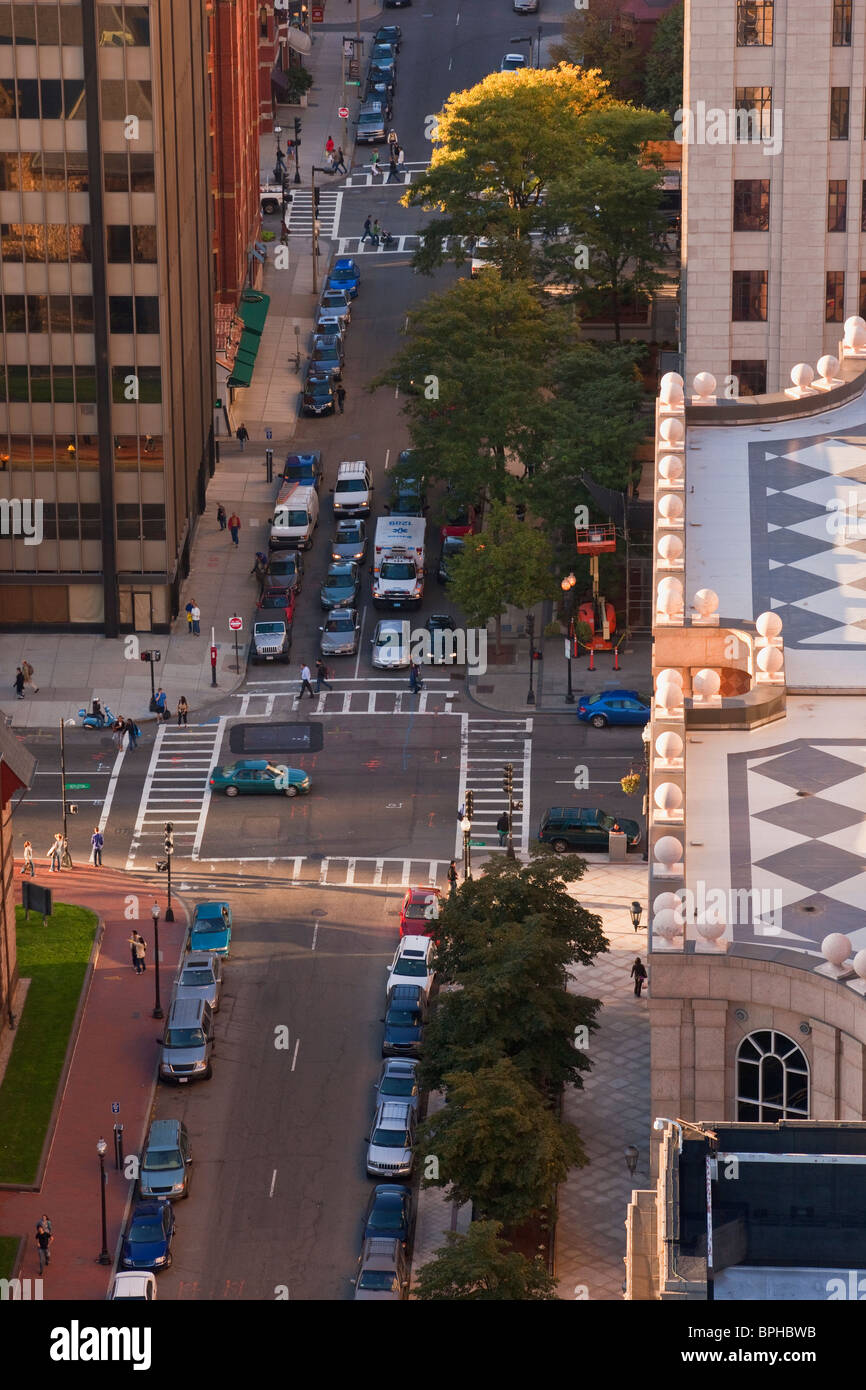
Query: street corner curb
475	699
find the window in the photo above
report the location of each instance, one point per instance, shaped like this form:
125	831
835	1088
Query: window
835	296
754	23
146	313
49	97
147	381
772	1079
82	313
754	113
146	523
126	98
839	104
144	245
751	205
837	205
125	173
14	313
129	28
120	313
841	23
71	521
749	297
119	242
751	376
863	207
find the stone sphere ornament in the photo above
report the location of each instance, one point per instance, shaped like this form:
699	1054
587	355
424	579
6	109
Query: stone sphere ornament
671	468
669	746
668	851
768	625
836	948
704	385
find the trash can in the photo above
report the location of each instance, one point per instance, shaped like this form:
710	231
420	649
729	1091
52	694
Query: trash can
617	847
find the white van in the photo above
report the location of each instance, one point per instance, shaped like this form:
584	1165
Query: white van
354	489
296	516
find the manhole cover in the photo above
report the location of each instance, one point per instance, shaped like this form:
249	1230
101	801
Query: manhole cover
484	689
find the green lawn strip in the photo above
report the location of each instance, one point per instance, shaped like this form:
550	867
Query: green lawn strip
8	1251
54	958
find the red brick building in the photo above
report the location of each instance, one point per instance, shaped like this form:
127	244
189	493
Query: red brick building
233	69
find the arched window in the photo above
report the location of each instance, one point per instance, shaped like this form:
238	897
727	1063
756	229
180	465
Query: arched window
772	1079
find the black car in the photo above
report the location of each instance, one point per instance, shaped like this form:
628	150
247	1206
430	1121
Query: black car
318	397
377	74
452	546
383	92
407	497
389	33
350	540
285	568
389	1213
443	648
404	1022
305	469
397	4
340	586
327	356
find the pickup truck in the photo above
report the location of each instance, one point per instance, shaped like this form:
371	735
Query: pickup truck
271	197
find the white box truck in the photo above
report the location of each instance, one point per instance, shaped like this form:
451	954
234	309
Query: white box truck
398	562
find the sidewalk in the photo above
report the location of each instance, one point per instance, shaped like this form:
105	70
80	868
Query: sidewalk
114	1059
505	687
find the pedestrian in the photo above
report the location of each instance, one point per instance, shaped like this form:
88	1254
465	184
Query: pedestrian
117	734
188	611
341	397
503	826
329	146
196	619
341	161
367	233
160	704
638	972
131	728
138	950
182	712
260	566
96	708
234	526
28	676
43	1246
377	232
416	683
305	683
393	171
392	138
55	854
96	841
400	155
28	860
374	161
242	436
221	516
132	944
452	877
321	673
19	683
46	1226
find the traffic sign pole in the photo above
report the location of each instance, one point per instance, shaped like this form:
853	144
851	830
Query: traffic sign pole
236	625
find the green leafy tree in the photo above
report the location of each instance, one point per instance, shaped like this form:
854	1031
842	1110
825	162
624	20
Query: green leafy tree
481	1266
601	36
663	84
498	1144
509	562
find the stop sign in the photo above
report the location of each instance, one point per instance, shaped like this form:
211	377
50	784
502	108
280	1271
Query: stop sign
236	624
343	113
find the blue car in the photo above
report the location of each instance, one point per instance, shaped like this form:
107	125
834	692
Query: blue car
389	1213
211	928
613	707
345	276
404	1021
305	469
148	1240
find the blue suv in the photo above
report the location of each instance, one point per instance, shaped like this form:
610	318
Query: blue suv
345	276
613	707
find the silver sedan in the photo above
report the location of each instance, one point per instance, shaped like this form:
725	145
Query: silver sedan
340	633
201	977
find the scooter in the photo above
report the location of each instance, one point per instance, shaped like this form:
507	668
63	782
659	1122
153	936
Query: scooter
89	720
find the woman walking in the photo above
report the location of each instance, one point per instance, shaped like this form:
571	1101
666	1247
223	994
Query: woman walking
638	972
452	877
28	860
27	669
221	517
182	711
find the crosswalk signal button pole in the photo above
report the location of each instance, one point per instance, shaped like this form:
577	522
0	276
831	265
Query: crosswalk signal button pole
168	846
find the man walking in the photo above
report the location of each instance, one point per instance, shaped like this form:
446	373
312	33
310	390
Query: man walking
638	973
306	688
234	526
503	827
321	673
196	619
367	234
19	683
452	877
138	947
393	171
131	728
188	611
28	860
340	161
55	854
221	517
97	841
160	701
27	670
242	436
43	1246
341	397
416	684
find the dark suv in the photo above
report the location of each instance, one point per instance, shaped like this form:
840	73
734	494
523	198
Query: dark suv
305	469
404	1022
581	827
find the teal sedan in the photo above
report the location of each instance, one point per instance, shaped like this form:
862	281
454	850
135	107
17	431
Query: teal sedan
211	928
251	776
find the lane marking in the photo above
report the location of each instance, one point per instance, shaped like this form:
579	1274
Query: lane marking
295	1058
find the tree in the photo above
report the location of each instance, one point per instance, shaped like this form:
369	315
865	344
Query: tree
600	36
663	83
498	1144
509	562
481	1266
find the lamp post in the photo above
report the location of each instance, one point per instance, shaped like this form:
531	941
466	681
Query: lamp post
567	587
524	38
632	1154
635	912
466	827
646	735
104	1257
530	629
157	1008
66	857
168	845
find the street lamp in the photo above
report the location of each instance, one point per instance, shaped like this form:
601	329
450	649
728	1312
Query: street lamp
104	1257
524	38
530	629
157	1009
635	913
632	1154
567	587
466	827
168	845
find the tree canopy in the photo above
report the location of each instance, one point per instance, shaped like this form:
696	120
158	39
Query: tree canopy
481	1266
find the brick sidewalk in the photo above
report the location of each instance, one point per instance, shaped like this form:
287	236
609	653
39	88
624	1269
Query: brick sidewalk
114	1059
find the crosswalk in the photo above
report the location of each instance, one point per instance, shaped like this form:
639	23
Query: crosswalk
301	212
356	700
375	176
487	745
342	871
176	789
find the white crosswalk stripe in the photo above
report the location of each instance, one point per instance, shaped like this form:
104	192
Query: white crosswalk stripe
371	176
301	212
486	746
176	789
345	871
388	696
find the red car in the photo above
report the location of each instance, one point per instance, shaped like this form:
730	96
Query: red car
419	911
279	604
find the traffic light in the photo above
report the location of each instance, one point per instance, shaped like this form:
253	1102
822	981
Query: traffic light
470	804
145	656
72	809
297	130
508	779
317	193
168	841
150	656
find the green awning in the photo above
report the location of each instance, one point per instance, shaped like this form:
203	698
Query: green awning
249	344
242	373
241	356
253	309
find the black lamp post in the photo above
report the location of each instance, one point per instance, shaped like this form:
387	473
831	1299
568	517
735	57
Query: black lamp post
104	1257
567	587
157	1008
635	912
466	827
530	629
631	1155
168	845
523	38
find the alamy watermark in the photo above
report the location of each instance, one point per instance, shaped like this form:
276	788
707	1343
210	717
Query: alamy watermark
446	646
714	125
760	908
22	516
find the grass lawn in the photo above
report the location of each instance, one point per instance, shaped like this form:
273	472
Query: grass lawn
54	958
8	1250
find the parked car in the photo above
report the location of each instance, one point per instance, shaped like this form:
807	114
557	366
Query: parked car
407	497
525	6
350	540
166	1161
278	603
305	468
133	1288
340	633
334	304
512	61
340	585
383	1271
271	641
201	977
328	322
582	827
452	546
389	1213
187	1042
390	1146
327	356
380	88
211	928
295	518
404	1021
372	122
346	276
613	707
390	643
411	965
389	33
147	1244
353	489
318	396
286	567
257	776
419	911
382	53
398	1080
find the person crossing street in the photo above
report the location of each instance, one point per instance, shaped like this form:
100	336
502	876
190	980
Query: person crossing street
306	688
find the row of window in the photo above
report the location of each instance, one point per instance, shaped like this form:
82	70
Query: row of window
62	241
752	205
43	313
49	171
755	23
118	26
754	107
749	296
62	99
72	521
48	452
76	383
